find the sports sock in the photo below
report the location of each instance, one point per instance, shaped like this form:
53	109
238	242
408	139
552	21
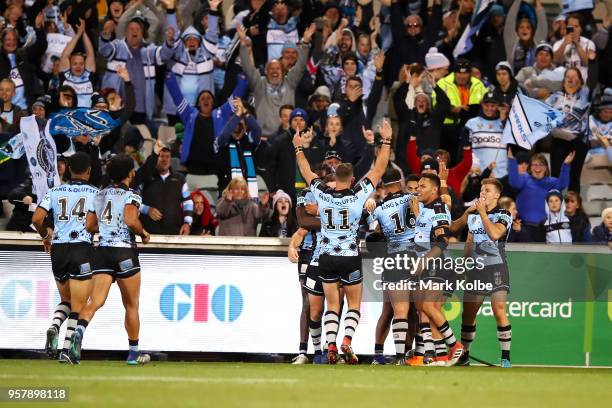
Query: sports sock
315	335
440	348
332	321
351	320
504	335
427	338
70	326
468	334
379	349
303	349
419	348
133	345
62	310
81	326
446	331
400	329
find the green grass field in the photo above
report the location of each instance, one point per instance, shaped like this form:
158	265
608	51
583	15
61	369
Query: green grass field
166	384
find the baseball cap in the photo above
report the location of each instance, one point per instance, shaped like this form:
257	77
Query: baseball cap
462	65
332	154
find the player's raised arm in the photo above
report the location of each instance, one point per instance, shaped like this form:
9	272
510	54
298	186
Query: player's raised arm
132	220
301	159
382	159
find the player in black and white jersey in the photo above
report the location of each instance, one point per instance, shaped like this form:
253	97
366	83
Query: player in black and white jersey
340	209
396	220
488	228
70	245
116	217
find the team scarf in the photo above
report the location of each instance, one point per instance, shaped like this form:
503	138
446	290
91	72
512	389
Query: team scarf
237	172
82	121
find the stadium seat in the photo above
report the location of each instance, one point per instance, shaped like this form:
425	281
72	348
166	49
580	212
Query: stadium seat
599	192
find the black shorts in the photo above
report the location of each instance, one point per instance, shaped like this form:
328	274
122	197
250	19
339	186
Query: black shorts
495	277
312	283
439	274
71	261
343	269
303	261
394	274
120	263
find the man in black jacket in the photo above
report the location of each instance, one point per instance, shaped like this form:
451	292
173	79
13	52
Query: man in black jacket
167	205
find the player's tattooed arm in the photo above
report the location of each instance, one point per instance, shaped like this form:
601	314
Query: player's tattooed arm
382	159
301	159
91	223
132	220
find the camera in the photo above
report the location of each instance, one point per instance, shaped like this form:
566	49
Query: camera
570	29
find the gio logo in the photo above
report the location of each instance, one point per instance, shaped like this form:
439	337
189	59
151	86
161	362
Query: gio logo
177	300
33	298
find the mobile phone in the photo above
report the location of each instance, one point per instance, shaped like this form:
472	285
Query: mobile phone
570	29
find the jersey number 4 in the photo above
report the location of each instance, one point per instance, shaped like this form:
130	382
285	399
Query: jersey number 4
107	213
344	221
78	209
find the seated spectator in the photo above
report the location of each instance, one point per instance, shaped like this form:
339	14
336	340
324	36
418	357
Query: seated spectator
521	37
11	114
204	222
572	135
603	231
275	88
557	224
237	212
21	197
542	78
282	223
78	69
533	188
574	50
600	126
167	207
579	220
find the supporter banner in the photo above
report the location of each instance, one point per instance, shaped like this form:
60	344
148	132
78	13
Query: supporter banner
251	304
55	46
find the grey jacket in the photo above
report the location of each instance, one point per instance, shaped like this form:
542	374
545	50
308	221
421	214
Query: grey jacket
239	220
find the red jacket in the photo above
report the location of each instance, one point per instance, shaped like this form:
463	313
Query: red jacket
455	175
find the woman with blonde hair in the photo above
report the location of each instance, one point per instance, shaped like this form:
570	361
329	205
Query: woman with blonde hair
239	213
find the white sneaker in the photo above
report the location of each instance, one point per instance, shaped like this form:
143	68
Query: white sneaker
300	359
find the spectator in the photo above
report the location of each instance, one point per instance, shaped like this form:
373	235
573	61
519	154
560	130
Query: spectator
237	212
318	104
521	37
505	84
541	79
11	114
78	69
237	144
332	137
574	50
148	13
532	190
283	223
255	22
204	222
21	64
167	207
600	126
603	231
465	94
579	220
22	198
489	46
282	29
557	224
470	187
572	135
276	88
38	107
191	58
517	232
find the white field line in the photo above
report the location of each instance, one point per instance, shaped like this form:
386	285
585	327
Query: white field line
151	378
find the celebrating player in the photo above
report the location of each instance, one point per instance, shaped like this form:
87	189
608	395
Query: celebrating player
431	237
488	226
116	258
70	245
396	221
340	209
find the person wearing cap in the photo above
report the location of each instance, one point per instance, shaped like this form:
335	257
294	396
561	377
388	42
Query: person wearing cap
11	114
436	63
39	108
276	88
600	125
191	58
167	207
506	85
140	59
542	78
78	69
574	50
484	133
521	37
465	94
289	55
318	103
282	29
557	225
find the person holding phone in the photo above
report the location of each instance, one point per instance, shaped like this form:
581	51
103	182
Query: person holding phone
574	50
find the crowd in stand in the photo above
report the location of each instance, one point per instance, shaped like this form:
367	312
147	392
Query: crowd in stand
204	88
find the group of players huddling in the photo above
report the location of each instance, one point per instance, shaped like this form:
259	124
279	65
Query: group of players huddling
415	223
84	273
